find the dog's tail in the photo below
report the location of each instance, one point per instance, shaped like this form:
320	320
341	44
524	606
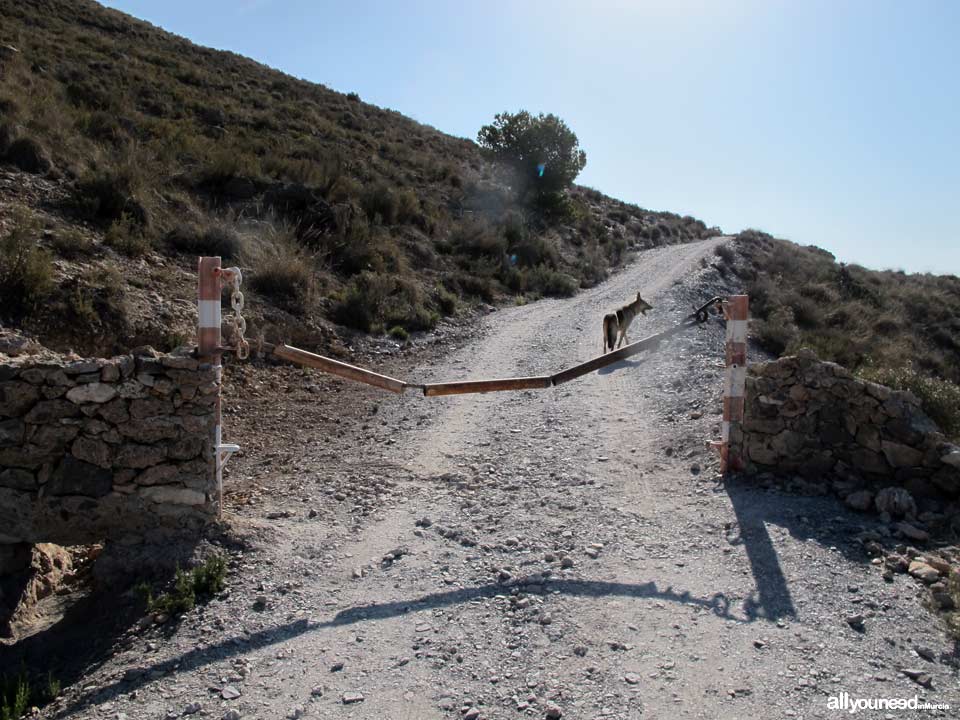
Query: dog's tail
609	332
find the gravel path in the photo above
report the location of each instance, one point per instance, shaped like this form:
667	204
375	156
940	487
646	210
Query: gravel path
554	553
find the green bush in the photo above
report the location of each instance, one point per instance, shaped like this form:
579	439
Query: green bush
109	195
544	151
127	237
18	694
26	272
379	202
374	300
446	301
29	155
408	206
203	581
940	399
547	281
399	333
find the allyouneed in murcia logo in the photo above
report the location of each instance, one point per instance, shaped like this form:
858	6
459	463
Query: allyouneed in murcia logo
844	703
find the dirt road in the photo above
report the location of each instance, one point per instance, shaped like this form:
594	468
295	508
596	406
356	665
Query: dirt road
564	552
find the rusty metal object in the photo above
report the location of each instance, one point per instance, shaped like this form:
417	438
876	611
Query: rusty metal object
341	369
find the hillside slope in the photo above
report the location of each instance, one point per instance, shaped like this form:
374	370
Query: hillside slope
895	328
128	151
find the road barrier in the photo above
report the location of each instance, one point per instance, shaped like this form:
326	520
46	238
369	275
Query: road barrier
734	309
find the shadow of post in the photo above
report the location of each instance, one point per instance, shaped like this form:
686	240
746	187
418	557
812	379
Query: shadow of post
717	603
773	600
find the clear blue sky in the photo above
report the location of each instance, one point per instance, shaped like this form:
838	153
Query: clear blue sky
834	123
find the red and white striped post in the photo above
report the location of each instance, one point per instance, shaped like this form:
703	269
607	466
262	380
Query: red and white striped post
209	288
736	310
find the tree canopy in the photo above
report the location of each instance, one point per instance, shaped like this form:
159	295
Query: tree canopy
542	148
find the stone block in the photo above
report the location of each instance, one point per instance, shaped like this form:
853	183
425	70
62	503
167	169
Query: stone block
27	456
761	454
179	362
82	366
12	432
34	376
787	443
149	366
52	393
18	479
172	495
148	408
869	437
138	456
131	389
75	477
53	439
96	392
763	425
869	461
87	379
48	411
187	448
58	378
900	455
158	475
152	430
94	451
16	398
115	411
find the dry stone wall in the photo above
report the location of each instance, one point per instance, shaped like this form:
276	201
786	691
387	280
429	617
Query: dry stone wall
817	420
105	448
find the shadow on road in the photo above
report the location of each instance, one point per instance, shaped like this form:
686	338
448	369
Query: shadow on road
819	518
773	600
718	604
622	365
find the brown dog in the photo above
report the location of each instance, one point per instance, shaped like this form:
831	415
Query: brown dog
616	323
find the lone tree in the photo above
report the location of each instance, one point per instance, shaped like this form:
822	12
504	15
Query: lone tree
543	150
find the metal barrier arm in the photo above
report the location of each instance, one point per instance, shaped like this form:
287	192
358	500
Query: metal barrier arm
357	374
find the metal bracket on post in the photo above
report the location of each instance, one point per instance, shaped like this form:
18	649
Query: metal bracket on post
209	290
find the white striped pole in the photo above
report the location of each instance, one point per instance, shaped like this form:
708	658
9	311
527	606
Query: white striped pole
736	310
208	348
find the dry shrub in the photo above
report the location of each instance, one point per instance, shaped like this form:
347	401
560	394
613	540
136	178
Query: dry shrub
283	270
26	274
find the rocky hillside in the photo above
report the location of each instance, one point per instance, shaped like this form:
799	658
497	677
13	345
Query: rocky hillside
898	329
127	151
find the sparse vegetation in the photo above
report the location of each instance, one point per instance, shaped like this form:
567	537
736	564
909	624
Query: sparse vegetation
399	333
188	586
373	301
284	271
126	237
940	398
18	693
26	276
71	244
